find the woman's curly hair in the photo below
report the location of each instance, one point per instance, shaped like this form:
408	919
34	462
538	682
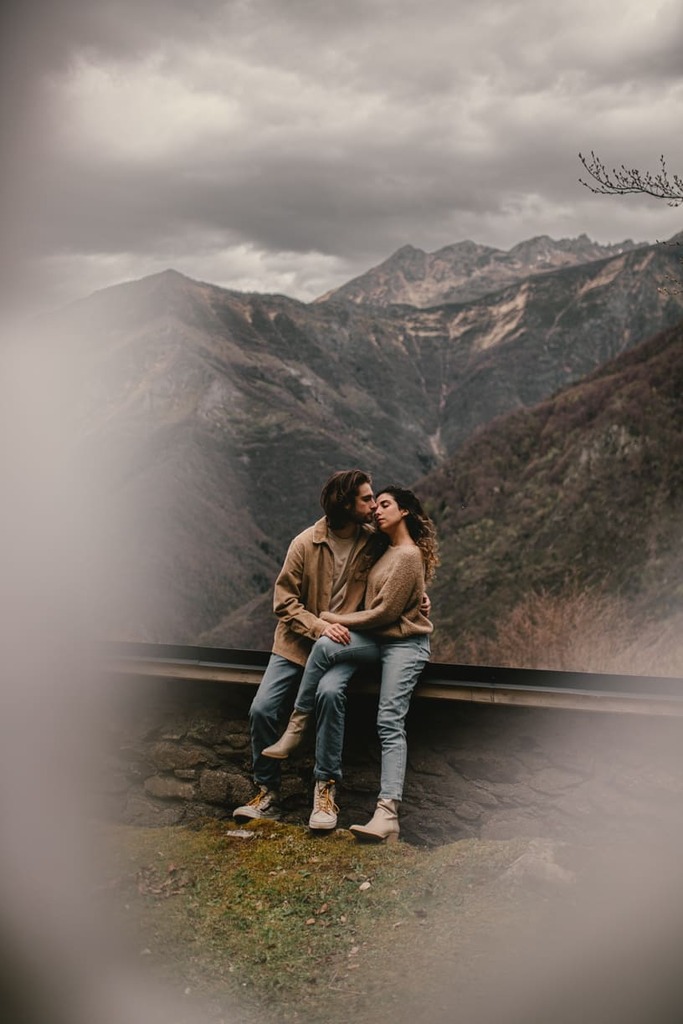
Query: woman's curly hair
420	526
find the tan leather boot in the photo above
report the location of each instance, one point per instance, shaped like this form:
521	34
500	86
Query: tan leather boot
291	737
382	827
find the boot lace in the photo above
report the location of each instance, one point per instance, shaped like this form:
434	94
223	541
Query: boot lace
325	798
261	799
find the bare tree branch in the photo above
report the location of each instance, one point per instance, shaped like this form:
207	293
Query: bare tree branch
623	180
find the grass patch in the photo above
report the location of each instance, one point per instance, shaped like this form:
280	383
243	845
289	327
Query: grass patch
282	920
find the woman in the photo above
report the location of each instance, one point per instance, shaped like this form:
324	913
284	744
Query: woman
398	638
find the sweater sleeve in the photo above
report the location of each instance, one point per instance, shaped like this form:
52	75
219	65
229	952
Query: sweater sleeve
287	603
402	581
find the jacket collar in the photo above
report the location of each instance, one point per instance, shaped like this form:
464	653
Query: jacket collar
320	531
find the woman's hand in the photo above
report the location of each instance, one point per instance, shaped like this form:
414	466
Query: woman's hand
335	631
425	604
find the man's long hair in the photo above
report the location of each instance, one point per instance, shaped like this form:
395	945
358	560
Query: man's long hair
339	493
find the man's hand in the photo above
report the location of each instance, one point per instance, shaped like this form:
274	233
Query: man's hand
425	604
335	631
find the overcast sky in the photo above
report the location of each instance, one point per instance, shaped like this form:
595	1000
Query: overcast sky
289	145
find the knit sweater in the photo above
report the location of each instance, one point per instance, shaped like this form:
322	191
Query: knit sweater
392	598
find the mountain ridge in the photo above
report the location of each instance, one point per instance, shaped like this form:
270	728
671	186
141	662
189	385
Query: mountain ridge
465	271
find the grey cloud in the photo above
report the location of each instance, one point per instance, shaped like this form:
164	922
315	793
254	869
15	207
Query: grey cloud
361	126
37	40
49	31
303	198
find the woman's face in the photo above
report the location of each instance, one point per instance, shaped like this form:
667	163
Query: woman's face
387	514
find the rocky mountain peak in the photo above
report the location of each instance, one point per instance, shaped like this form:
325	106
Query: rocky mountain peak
464	271
406	252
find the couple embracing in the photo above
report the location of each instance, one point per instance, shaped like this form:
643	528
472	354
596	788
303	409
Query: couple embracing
351	593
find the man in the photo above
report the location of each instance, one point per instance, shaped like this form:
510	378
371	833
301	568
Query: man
324	570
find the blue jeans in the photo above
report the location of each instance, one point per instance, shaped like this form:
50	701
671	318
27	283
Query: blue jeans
402	663
325	654
270	707
267	715
323	689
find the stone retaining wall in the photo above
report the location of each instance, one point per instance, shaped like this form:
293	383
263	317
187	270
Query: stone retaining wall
180	751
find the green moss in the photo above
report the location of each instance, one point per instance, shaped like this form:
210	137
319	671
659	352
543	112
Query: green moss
271	909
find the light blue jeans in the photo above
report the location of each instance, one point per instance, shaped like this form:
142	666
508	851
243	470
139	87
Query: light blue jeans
327	654
402	662
270	707
323	689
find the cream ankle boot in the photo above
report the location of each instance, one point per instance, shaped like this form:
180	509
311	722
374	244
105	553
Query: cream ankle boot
382	827
291	737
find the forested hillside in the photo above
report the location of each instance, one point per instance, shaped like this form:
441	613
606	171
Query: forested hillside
582	493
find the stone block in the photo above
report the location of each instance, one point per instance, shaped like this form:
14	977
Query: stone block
171	756
200	812
174	726
491	768
511	794
483	797
214	727
139	810
552	781
214	786
426	763
237	740
241	789
207	728
294	786
169	789
227	752
468	812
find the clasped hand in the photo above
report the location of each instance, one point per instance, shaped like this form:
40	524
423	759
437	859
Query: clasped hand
335	631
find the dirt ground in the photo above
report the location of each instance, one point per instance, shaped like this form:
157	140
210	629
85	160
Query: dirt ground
474	932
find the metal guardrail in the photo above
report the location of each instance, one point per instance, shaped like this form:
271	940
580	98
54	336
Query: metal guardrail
577	691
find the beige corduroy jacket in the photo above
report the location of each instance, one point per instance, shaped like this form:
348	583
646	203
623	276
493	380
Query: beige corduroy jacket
304	587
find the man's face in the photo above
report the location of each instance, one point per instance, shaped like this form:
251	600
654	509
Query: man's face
364	505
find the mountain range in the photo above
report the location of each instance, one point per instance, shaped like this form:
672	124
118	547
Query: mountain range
466	271
212	417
